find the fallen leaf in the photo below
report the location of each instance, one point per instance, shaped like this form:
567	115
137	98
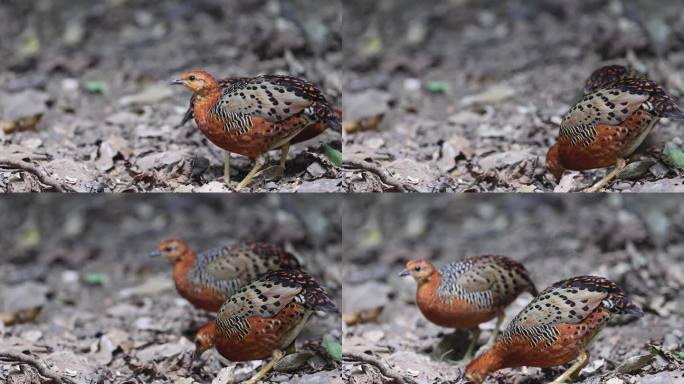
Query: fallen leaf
332	347
95	86
675	155
333	155
292	362
437	86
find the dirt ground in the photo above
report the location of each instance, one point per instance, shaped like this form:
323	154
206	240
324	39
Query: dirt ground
110	313
469	94
636	241
96	74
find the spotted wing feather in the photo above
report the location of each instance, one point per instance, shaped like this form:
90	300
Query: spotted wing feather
486	281
571	301
269	294
244	261
604	76
272	98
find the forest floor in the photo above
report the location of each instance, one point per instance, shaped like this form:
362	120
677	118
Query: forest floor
108	313
86	105
636	241
466	95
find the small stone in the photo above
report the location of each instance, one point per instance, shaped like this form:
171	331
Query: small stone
160	352
316	170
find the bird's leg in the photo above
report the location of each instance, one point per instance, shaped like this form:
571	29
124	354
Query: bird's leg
291	349
283	157
266	369
574	369
473	343
495	334
619	166
226	167
258	163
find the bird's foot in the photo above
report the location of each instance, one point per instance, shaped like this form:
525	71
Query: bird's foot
273	172
266	369
606	180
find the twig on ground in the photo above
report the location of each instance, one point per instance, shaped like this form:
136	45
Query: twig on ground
384	369
382	174
15	357
37	172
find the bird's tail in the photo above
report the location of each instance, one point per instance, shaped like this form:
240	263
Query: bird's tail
666	106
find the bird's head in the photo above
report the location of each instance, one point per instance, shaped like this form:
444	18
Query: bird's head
174	250
197	81
420	270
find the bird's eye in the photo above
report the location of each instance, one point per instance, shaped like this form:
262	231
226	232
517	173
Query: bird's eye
168	249
416	268
192	78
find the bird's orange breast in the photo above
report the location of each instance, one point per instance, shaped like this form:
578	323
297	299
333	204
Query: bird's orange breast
453	312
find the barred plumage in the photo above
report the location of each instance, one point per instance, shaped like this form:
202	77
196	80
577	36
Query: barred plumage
556	327
616	113
277	305
251	116
207	279
467	293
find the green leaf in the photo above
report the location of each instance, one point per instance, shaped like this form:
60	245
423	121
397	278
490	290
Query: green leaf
333	347
679	354
95	86
675	154
333	155
437	86
94	278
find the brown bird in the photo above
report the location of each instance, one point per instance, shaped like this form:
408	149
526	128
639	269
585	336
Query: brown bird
250	116
609	123
207	279
555	328
264	318
466	293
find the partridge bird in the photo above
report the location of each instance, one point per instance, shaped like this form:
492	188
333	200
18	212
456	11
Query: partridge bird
264	318
555	328
207	279
250	116
466	293
607	125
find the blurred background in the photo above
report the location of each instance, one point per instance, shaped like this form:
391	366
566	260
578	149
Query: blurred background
464	95
85	95
78	289
635	240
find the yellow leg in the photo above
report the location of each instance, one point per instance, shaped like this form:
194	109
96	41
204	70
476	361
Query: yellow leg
283	157
574	370
473	344
619	166
226	168
257	166
266	369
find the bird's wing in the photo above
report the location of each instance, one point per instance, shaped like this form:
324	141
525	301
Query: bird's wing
272	98
260	298
604	106
567	302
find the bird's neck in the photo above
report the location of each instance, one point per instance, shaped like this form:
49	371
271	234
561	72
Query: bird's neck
427	288
181	270
488	362
204	101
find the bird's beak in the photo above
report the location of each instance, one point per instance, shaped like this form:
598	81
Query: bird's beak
154	254
178	82
405	272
